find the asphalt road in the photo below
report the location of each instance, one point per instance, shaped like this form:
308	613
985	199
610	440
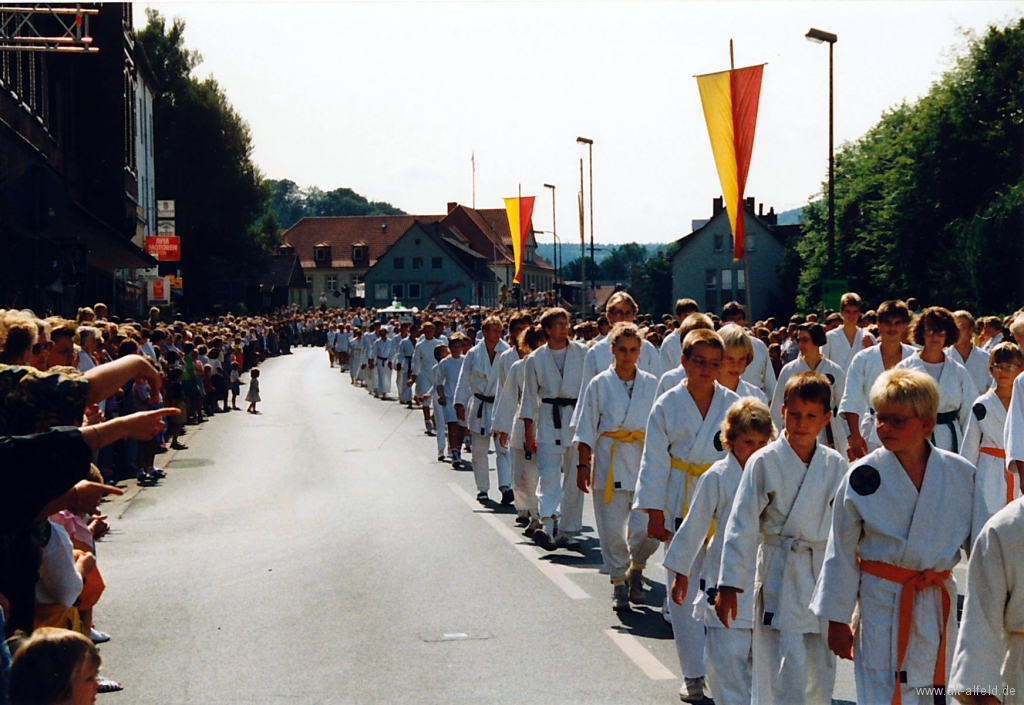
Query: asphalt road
318	553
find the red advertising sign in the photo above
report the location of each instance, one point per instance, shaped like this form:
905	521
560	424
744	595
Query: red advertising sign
166	248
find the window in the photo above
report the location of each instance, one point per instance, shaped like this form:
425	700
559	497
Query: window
710	279
749	242
727	280
332	283
414	291
417	263
356	279
719	242
398	291
320	254
435	263
380	292
741	289
358	253
309	282
399	262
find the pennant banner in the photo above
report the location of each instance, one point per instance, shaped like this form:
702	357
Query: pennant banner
730	99
520	212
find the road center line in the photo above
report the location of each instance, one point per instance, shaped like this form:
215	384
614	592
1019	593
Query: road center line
651	666
552	571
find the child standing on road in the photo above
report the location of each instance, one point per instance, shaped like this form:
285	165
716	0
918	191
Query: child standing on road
253	395
446	378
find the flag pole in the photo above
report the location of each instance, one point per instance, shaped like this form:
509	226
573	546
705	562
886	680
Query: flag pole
472	158
746	269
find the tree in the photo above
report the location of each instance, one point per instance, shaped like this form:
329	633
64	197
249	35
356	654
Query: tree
652	287
204	162
291	203
930	201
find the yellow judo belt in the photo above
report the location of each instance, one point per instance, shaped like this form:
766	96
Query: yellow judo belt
692	470
618	437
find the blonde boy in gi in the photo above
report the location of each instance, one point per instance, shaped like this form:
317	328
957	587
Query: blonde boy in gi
779	525
901	517
683	441
551	388
988	664
729	656
611	429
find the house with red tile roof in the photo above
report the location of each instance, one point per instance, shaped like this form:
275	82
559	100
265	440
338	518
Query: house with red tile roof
335	252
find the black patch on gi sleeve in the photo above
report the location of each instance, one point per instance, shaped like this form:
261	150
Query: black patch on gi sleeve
980	412
865	480
718	442
831	378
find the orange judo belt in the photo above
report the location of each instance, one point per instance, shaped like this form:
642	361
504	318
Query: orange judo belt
913	582
1001	454
618	437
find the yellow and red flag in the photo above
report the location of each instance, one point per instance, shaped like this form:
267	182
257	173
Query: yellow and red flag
519	211
730	101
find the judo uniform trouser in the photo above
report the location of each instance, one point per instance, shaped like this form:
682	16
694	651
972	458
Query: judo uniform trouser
874	685
383	378
524	481
686	629
571	521
481	468
553	461
792	668
404	390
440	427
730	664
623	533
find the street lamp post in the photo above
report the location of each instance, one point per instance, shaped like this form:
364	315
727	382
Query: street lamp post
554	230
590	163
819	36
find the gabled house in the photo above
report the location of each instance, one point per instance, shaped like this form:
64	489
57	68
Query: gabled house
430	262
337	252
284	283
703	268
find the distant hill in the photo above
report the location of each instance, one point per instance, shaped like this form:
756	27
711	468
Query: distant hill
291	203
792	217
571	251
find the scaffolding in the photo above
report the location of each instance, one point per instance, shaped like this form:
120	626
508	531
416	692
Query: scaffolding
44	27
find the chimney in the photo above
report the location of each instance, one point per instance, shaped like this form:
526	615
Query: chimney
772	219
452	205
760	210
716	206
748	204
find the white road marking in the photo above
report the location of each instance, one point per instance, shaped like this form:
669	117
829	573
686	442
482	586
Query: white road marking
552	571
651	666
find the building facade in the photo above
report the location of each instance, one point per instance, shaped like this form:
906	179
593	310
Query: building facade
703	268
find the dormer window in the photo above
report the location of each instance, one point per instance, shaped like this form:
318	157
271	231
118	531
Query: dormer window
358	253
320	254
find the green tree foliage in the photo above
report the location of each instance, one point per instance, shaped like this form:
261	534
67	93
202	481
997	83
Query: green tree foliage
930	202
204	162
618	266
652	287
290	203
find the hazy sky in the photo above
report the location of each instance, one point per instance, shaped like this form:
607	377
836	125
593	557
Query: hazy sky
391	98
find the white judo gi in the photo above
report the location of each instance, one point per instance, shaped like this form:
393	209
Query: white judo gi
778	526
403	364
505	419
549	400
729	653
976	365
836	428
839	350
476	390
744	389
670	352
760	372
1013	435
355	360
881	517
383	353
990	647
983	448
956	394
433	375
679	447
613	422
503	456
865	367
422	362
369	360
446	376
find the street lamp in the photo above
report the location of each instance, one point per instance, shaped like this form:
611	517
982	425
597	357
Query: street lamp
554	229
818	37
590	162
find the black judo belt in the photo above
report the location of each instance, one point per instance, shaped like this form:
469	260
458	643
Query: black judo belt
948	419
479	408
711	592
556	410
830	437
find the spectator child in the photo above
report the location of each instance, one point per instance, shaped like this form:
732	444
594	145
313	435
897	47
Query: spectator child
236	385
253	395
